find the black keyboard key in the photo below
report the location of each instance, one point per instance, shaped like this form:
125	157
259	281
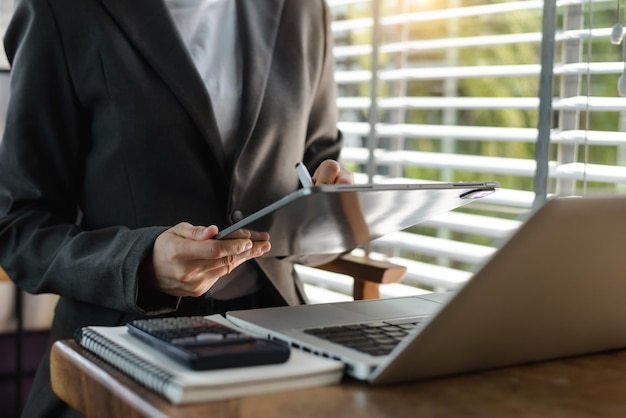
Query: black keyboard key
374	338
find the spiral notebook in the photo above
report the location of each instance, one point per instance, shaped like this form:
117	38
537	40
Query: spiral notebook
180	385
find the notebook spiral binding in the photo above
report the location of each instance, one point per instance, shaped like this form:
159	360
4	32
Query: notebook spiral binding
136	368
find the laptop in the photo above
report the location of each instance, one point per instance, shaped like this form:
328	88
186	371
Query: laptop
332	219
556	288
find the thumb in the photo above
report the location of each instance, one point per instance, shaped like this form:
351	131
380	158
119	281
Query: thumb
195	232
326	173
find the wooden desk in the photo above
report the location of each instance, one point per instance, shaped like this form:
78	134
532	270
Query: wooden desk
590	386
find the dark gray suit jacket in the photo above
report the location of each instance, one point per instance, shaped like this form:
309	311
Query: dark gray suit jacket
111	138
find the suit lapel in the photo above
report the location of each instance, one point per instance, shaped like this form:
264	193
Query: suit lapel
149	27
258	22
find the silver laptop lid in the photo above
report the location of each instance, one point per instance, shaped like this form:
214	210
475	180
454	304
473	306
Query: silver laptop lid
555	289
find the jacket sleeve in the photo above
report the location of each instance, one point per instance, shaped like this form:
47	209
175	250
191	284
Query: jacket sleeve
324	140
42	155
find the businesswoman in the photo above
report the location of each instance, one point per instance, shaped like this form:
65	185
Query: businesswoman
136	130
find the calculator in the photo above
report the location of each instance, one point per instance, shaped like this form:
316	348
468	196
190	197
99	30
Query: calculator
203	344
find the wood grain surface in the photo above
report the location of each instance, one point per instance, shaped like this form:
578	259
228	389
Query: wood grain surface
589	386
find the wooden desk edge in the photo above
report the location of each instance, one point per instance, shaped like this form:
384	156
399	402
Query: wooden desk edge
97	390
109	383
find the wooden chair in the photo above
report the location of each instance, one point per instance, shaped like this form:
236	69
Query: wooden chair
368	274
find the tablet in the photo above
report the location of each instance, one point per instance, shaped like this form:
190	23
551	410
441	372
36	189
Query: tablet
332	219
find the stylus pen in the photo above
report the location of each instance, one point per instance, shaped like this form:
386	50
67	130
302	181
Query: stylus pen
303	175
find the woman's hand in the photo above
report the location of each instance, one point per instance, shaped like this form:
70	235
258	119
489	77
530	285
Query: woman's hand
187	261
330	172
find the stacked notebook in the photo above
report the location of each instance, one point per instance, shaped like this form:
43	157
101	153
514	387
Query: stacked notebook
179	384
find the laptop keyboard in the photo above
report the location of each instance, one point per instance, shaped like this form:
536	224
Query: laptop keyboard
374	338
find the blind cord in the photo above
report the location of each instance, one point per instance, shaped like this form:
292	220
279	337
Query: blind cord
588	94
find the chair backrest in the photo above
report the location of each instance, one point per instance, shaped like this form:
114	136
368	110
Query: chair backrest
368	274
